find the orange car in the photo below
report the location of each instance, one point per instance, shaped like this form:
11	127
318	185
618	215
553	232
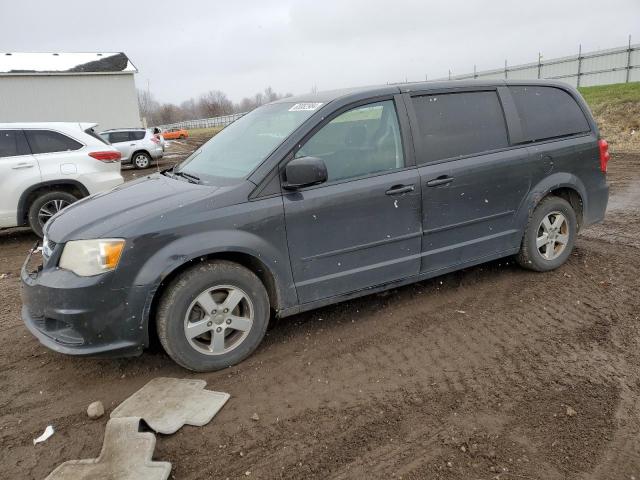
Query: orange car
174	133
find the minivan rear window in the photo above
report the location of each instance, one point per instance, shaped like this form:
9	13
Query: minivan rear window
458	124
548	112
47	141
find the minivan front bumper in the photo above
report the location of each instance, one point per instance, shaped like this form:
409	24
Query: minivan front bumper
81	315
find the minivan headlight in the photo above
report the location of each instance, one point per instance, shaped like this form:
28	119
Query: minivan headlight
91	257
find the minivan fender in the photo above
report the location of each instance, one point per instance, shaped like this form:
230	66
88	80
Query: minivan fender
183	251
543	188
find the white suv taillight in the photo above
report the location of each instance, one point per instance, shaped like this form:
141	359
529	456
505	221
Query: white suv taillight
106	156
155	138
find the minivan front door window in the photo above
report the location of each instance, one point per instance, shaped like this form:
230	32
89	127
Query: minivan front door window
359	142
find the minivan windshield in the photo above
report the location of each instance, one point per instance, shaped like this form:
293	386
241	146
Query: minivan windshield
243	145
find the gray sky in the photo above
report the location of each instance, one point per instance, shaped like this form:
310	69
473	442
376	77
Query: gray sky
185	48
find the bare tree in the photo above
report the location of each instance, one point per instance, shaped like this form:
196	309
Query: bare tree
215	103
148	106
211	104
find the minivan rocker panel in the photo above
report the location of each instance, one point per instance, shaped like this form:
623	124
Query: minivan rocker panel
377	199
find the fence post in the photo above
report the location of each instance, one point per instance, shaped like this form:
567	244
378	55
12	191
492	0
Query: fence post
506	71
539	63
474	73
579	64
628	60
449	74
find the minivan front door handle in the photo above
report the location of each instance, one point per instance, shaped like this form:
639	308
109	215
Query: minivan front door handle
442	180
399	189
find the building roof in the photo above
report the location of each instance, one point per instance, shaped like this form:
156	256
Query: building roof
64	63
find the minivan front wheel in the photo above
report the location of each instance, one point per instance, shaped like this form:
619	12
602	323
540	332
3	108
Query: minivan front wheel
549	236
212	316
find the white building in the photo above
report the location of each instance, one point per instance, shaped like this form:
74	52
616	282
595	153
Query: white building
69	87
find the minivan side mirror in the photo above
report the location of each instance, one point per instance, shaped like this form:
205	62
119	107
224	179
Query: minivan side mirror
304	172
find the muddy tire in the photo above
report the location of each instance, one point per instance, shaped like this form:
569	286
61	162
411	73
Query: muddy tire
45	206
549	236
212	316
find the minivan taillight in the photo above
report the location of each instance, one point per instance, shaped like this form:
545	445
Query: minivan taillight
106	156
604	154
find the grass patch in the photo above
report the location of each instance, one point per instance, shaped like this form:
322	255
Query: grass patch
616	109
204	132
611	95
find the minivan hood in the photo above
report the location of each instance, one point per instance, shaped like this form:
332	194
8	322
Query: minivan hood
108	212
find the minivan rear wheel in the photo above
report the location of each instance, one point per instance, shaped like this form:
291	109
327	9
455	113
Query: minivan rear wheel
549	236
212	316
46	206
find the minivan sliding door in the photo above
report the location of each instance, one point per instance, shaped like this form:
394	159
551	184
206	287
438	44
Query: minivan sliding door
472	182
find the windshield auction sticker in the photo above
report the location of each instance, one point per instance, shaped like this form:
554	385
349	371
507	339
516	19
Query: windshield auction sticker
298	107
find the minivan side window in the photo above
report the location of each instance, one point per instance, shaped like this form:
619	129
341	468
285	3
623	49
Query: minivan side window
458	124
548	112
13	143
47	141
358	142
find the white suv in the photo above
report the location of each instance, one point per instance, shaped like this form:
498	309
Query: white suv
46	166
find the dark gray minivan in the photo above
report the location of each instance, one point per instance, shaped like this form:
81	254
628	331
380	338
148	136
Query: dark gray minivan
313	200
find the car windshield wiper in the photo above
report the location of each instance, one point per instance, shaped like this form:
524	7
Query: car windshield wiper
189	176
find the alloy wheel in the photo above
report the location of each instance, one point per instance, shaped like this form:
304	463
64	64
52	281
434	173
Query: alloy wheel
49	209
553	235
218	320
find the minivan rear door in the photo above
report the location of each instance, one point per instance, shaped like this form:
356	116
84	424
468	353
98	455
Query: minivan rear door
472	182
362	227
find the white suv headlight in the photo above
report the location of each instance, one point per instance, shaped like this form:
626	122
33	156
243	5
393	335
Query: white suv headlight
91	257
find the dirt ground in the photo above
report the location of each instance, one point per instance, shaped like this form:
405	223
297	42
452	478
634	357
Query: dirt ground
473	375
